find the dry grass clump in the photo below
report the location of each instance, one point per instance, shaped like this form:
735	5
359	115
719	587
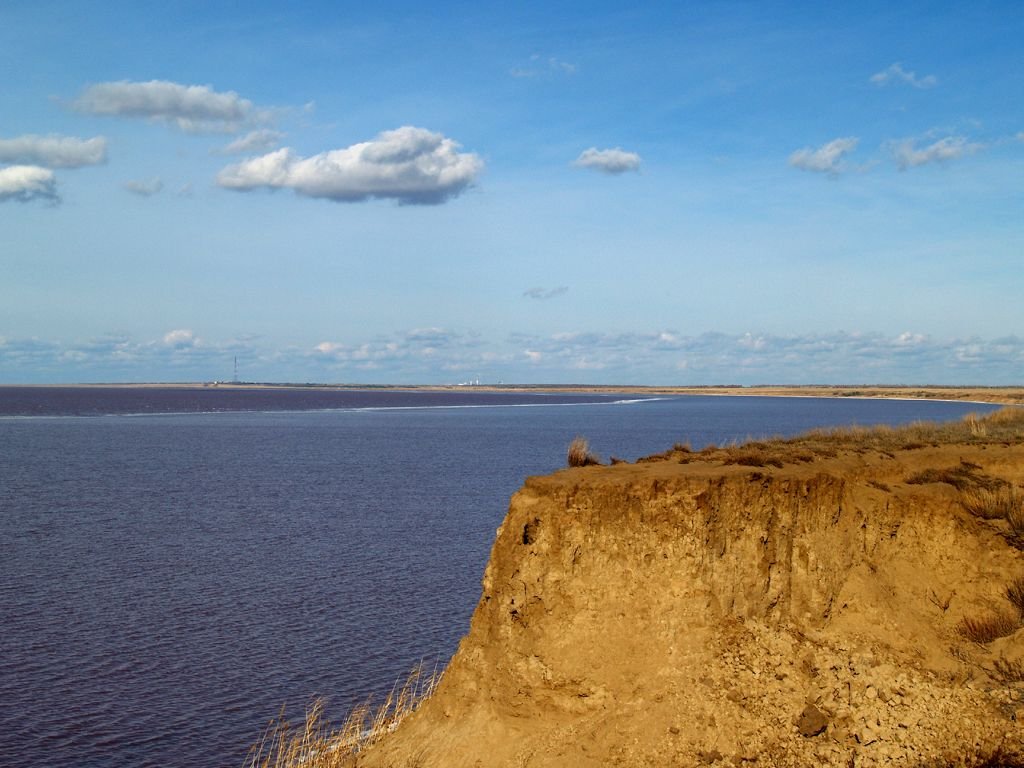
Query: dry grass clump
579	454
985	629
752	457
1000	504
964	477
1015	594
317	744
1009	671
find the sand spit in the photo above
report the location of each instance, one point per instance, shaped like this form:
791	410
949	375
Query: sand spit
828	600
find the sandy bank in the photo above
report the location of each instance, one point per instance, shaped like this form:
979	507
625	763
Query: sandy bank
790	603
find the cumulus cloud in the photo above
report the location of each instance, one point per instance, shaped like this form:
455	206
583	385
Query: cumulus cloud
828	158
23	183
411	165
907	155
54	151
440	354
144	187
181	337
543	294
612	161
190	108
255	141
895	73
419	349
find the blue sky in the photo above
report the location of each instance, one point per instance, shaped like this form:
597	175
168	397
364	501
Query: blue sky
593	192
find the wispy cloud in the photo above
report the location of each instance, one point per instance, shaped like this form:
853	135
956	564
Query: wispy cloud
190	108
907	154
22	183
895	73
255	141
411	165
828	158
543	294
540	65
612	161
144	187
54	151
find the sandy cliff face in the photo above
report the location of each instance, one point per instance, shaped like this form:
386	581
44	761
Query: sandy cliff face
690	612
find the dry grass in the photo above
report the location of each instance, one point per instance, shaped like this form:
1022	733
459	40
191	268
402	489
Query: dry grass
1015	594
985	629
1000	504
964	477
1009	671
753	457
1003	426
580	455
315	743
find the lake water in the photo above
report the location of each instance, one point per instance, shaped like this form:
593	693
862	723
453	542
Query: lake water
175	565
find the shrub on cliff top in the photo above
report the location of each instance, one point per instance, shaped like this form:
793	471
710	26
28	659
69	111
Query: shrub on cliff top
579	454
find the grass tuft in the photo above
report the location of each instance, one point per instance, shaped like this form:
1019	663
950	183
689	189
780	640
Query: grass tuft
985	629
315	743
963	477
752	457
999	504
1015	594
1009	671
580	455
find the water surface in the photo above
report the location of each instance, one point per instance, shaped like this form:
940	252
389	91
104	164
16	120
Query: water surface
169	581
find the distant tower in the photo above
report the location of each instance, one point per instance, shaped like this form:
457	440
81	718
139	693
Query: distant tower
235	380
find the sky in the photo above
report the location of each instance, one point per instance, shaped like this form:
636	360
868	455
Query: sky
606	193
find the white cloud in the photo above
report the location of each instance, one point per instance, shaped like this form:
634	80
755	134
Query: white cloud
907	155
540	65
612	161
190	108
54	151
828	158
545	293
28	182
410	165
438	355
255	141
144	187
895	73
181	337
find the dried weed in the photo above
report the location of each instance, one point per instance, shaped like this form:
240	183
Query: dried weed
1015	594
985	629
1009	671
580	455
962	477
999	504
318	744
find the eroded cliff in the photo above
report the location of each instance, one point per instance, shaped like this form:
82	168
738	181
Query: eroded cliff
790	605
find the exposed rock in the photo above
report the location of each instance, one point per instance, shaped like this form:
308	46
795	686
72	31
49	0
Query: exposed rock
812	721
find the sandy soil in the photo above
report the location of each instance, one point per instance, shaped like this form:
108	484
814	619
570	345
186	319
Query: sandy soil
789	603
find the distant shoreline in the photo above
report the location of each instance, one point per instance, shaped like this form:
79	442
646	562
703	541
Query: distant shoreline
980	394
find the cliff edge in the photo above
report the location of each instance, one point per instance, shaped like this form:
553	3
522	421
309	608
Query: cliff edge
844	598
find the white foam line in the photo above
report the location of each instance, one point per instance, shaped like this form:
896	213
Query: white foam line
143	414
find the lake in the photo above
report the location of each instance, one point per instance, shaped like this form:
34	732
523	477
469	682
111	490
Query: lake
179	564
